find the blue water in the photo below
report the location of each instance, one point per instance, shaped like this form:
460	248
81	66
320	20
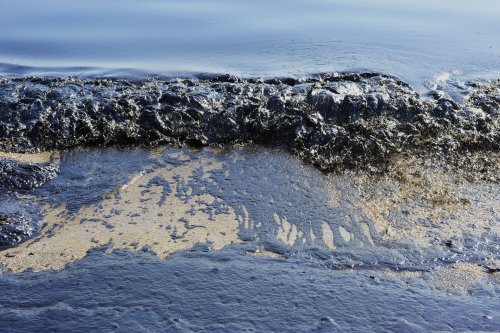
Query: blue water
414	40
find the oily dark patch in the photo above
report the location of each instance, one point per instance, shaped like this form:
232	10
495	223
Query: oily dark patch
226	291
19	220
263	197
14	228
25	176
334	121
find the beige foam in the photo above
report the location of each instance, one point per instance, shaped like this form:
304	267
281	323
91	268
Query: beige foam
460	277
327	235
288	232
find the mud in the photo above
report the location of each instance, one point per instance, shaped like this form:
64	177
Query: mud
36	158
145	214
334	121
422	201
460	278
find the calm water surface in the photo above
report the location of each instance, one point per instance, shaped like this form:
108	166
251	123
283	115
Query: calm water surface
414	40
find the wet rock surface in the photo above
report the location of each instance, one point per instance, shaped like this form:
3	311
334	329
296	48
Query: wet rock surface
18	218
333	121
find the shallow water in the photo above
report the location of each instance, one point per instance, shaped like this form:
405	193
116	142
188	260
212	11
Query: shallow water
414	40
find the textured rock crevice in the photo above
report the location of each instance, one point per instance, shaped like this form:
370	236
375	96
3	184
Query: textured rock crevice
19	174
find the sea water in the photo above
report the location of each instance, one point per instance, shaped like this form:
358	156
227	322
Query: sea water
416	41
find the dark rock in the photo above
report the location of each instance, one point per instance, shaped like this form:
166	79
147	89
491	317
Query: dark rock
491	270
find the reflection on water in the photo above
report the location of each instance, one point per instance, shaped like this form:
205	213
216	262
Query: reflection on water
410	39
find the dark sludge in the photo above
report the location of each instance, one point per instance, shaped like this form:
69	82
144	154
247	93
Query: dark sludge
334	121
